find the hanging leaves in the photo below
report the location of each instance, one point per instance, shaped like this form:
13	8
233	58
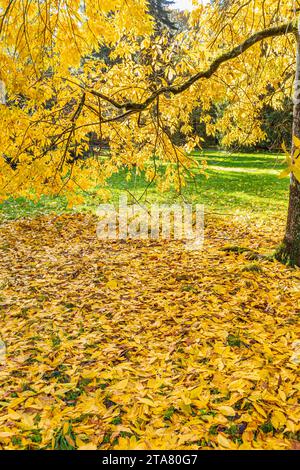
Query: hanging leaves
293	163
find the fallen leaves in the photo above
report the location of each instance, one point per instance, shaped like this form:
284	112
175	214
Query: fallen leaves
227	410
224	442
143	345
278	419
112	284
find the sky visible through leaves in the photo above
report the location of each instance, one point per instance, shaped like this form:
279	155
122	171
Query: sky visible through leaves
183	4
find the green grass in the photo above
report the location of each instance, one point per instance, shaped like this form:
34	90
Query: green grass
237	183
21	207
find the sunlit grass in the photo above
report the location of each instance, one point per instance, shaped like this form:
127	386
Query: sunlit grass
234	183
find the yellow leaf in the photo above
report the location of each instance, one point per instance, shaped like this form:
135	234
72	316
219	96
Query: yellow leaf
283	146
260	410
296	141
227	410
120	385
224	442
237	385
296	154
196	392
112	284
28	420
282	395
186	408
13	415
6	434
219	289
79	442
124	443
146	401
70	440
88	447
145	44
290	426
284	173
66	428
278	419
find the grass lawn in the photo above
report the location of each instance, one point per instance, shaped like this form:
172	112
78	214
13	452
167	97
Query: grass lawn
237	183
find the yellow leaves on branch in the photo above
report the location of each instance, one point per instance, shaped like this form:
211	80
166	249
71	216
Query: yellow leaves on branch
45	125
293	162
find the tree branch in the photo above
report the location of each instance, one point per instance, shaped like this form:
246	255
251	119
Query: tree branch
281	30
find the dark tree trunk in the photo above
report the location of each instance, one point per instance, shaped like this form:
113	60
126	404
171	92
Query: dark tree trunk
289	251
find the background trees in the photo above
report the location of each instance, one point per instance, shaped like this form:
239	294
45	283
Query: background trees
160	10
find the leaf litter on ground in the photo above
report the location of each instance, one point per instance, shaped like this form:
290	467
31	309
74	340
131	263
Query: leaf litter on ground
143	344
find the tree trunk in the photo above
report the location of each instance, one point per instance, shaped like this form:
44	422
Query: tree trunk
289	250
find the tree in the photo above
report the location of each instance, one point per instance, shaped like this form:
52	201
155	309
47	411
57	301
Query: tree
239	55
160	10
290	249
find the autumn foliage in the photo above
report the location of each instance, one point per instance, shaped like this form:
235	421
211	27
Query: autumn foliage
144	345
136	97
